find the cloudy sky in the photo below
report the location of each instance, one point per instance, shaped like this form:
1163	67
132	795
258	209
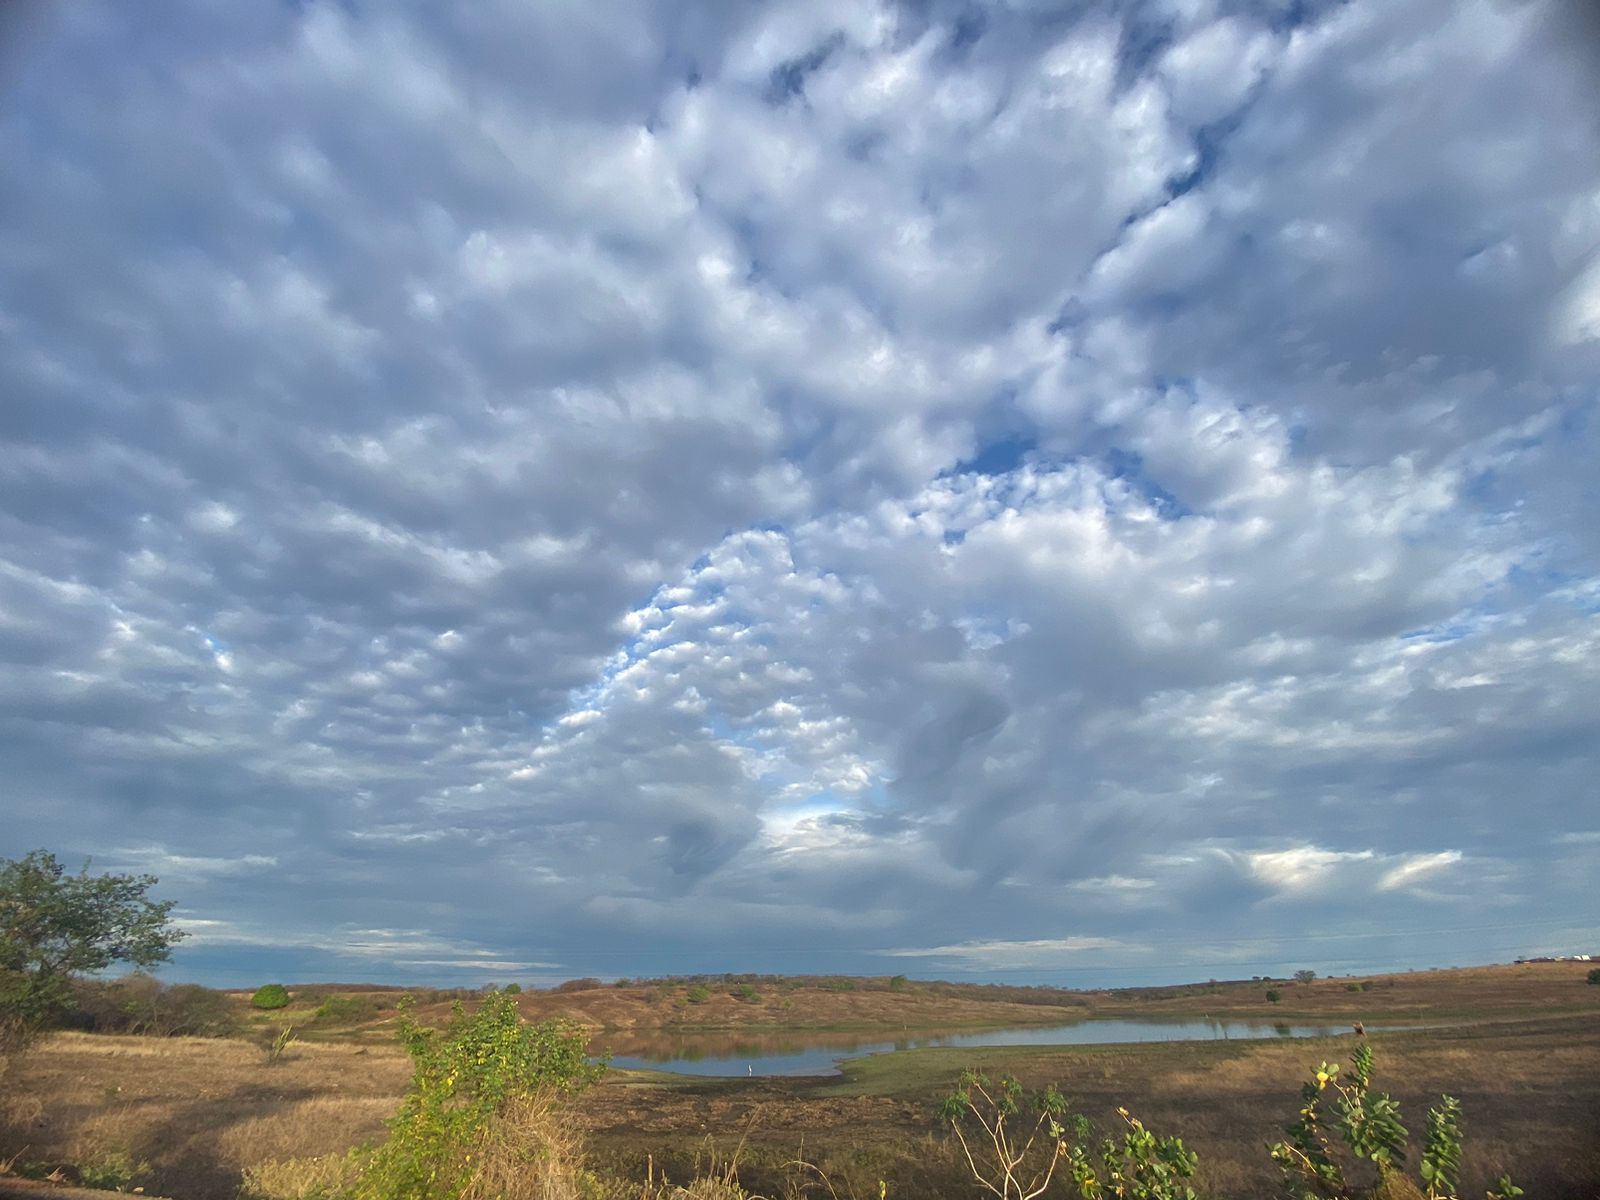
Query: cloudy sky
1065	492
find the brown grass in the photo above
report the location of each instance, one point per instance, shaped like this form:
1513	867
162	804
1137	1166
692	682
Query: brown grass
198	1111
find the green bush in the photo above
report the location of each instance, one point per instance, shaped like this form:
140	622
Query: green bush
1594	976
897	983
698	994
513	989
270	996
466	1078
1352	987
1274	995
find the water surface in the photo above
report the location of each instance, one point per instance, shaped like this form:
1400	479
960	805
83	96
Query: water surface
802	1053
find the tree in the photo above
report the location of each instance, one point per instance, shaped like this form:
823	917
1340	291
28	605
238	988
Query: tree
1304	976
55	926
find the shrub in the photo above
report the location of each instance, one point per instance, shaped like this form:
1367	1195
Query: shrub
698	994
1594	976
897	983
336	1009
1304	976
746	993
513	989
1372	1131
468	1081
1274	995
1352	987
270	996
141	1004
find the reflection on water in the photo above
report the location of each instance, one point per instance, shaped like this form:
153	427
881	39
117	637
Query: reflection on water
803	1053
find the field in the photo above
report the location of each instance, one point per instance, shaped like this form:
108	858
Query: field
1519	1045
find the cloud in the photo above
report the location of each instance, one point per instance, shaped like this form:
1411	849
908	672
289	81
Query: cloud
1000	956
811	476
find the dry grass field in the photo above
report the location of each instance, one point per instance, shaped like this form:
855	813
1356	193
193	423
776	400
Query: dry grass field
1524	1059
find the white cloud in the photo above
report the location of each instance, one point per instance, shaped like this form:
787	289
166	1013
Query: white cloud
530	481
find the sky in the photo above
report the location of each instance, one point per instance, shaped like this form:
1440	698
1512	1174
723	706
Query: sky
1068	493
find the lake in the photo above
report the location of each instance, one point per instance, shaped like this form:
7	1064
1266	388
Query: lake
801	1053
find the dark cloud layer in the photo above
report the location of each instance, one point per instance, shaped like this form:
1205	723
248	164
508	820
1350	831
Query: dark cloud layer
1077	493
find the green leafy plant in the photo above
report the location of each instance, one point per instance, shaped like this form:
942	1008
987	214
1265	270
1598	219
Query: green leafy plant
745	993
513	989
1138	1166
698	994
1441	1154
111	1171
270	996
1304	976
1504	1189
1594	976
466	1078
1274	995
898	983
1372	1131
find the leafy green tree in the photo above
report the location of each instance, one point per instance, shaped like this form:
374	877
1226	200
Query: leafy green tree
1304	976
55	927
